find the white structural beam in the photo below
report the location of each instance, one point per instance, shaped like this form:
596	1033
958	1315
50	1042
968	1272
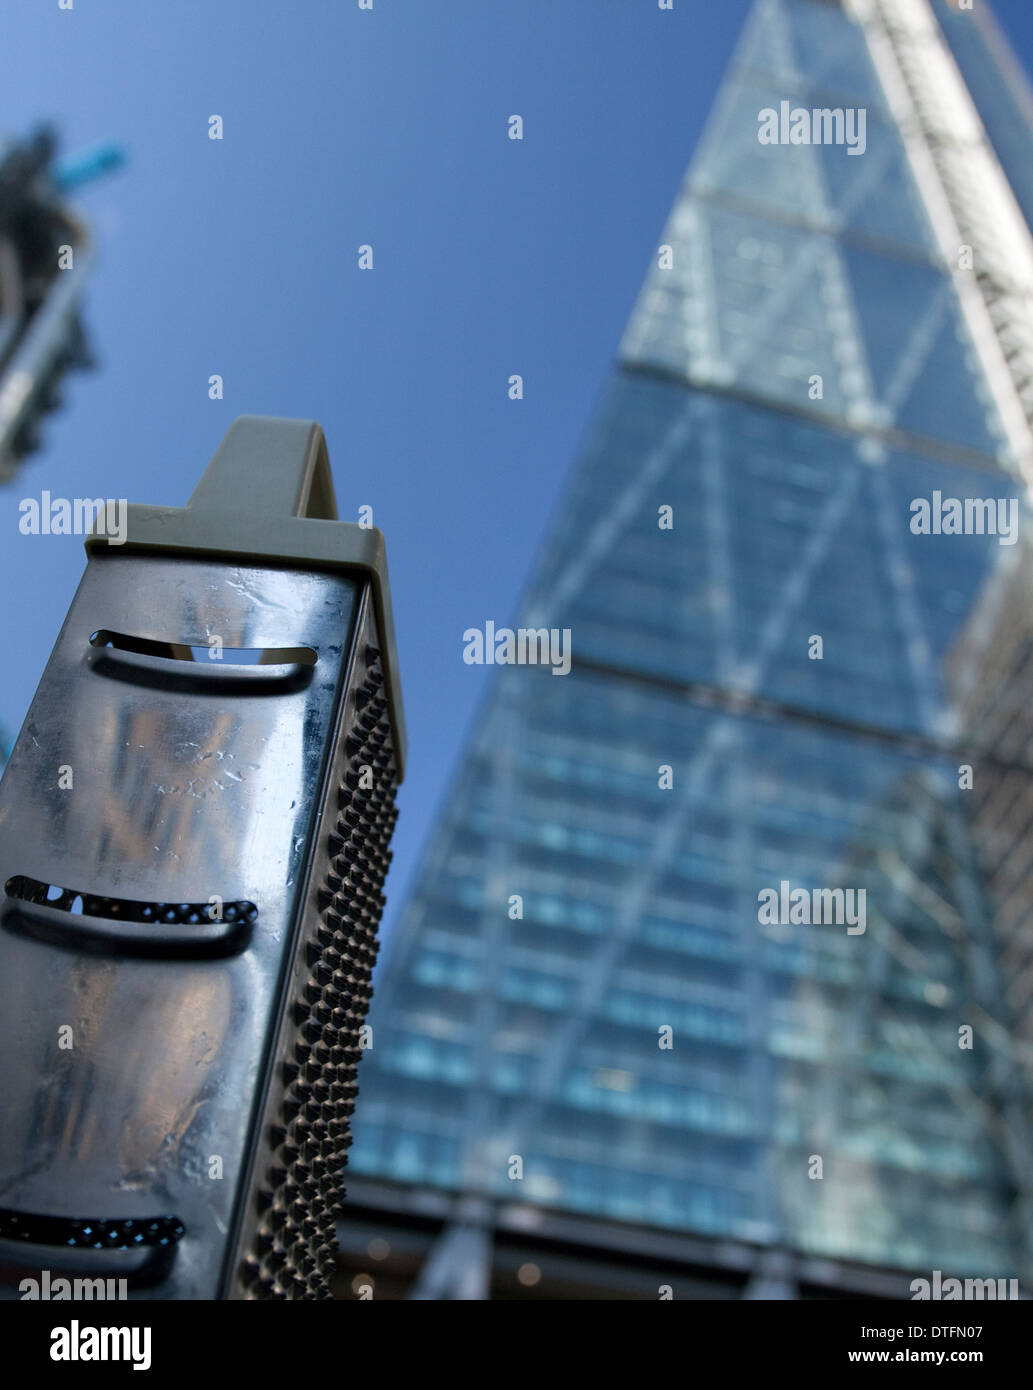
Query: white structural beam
968	199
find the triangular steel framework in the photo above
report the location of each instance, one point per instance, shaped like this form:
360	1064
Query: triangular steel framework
493	1094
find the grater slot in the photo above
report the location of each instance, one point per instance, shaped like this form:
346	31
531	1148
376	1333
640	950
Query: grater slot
181	651
187	669
85	921
139	1250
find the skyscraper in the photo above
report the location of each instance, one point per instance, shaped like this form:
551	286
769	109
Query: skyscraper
44	256
599	1064
989	676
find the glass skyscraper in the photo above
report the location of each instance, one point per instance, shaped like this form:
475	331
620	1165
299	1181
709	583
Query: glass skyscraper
586	1031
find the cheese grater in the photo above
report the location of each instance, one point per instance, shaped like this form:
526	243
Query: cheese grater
194	832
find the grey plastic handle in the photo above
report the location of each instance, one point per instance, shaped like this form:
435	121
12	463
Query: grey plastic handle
280	466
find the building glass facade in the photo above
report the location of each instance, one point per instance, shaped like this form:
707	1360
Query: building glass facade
648	1049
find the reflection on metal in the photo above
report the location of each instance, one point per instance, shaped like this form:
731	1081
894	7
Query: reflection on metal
193	871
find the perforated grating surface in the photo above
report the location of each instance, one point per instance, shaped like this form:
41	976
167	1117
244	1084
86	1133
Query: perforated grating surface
290	1244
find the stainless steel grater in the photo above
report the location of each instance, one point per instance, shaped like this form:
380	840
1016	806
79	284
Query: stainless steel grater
194	831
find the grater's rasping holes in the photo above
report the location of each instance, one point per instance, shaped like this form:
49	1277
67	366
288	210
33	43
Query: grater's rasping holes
20	888
295	1244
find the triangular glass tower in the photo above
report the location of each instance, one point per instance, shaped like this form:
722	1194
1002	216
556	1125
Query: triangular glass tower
586	1032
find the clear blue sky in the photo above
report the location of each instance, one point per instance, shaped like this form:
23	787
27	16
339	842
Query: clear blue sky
239	257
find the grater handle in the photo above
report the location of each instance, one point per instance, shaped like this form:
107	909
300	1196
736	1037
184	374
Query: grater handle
271	467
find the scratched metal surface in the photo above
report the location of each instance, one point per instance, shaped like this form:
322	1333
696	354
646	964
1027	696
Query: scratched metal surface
185	784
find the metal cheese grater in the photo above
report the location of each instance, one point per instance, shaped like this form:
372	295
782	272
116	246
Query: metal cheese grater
194	830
